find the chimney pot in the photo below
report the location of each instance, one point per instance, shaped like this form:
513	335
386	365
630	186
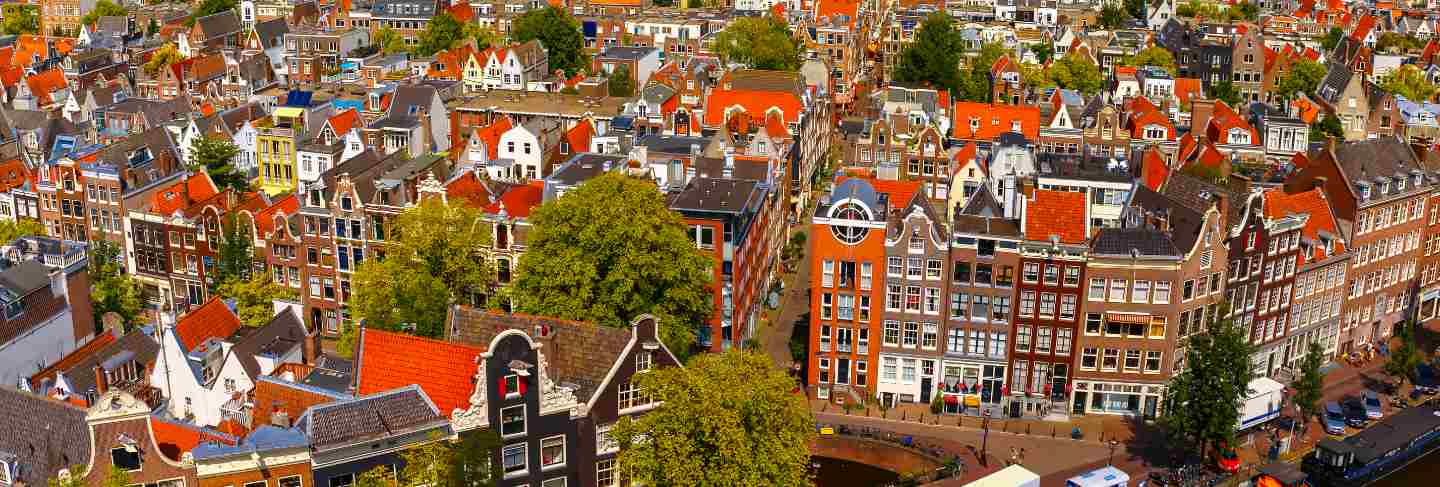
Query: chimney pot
102	380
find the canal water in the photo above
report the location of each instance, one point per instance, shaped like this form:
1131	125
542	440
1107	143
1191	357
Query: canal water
1422	472
844	473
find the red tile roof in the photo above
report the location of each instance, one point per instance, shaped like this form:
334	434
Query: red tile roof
964	156
265	220
775	127
212	319
198	187
1056	213
43	84
899	192
1224	120
461	11
831	8
1187	89
519	201
272	396
985	121
444	370
1153	169
490	134
1143	114
13	174
1314	203
579	136
468	187
1367	23
342	122
755	103
175	438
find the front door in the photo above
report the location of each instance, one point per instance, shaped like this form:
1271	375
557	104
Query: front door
925	385
1079	407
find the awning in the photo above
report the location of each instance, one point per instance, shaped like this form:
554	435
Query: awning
289	112
1140	318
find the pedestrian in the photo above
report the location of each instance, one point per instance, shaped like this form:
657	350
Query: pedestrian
1022	456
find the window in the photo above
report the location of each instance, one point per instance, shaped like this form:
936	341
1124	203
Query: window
1001	310
912	298
912	335
961	273
1022	338
1072	276
932	300
959	305
931	336
1027	303
555	482
866	272
1097	289
125	459
893	267
1088	356
1052	275
552	451
1132	360
827	274
1141	292
888	369
632	396
1117	289
892	297
933	269
1152	361
1031	273
1063	338
642	361
1157	326
1047	304
1067	307
913	268
981	306
1111	360
892	333
1092	323
1042	339
513	458
1162	291
512	420
605	473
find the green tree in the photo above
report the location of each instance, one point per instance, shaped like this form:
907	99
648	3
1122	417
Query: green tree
1327	126
167	55
620	82
724	419
934	57
20	19
348	340
1408	81
441	33
255	297
1136	9
1304	76
235	256
1309	385
558	32
1113	16
1405	357
152	28
389	41
13	229
1153	56
1043	51
611	250
1034	76
103	8
1225	91
434	257
117	477
1077	73
470	465
216	157
1397	43
111	289
758	42
208	8
380	476
1332	38
484	37
429	464
1243	10
1202	401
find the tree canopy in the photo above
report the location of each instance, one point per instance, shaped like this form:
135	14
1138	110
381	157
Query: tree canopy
165	56
558	32
1242	11
234	258
20	19
1309	385
1202	401
1405	357
1077	73
13	229
1225	91
758	42
1332	38
441	32
1327	126
611	250
217	157
934	57
255	297
433	258
389	41
1408	81
1397	43
1155	56
1043	51
1303	77
620	82
103	8
724	419
111	289
1113	16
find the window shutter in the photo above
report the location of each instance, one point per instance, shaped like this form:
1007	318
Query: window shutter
502	386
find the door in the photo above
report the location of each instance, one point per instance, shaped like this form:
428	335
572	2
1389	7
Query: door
1151	404
925	385
1079	403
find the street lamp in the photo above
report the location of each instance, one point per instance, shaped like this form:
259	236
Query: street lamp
1113	444
985	437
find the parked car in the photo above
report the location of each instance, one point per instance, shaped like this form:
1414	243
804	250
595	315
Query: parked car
1334	419
1373	409
1425	380
1355	416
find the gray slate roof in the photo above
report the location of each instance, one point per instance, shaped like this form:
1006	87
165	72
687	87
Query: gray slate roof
220	24
44	434
1144	241
369	417
283	333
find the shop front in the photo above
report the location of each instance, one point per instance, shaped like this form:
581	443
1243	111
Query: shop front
969	386
1093	397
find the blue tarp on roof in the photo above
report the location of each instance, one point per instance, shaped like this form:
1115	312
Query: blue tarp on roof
298	98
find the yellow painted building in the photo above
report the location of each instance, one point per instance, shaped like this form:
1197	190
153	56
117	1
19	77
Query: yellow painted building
275	142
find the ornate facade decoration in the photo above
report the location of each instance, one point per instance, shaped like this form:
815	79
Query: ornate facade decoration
477	415
553	397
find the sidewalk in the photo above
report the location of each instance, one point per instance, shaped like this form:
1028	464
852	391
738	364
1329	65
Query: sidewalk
1093	428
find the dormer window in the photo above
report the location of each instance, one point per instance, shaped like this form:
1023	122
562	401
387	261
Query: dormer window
1364	190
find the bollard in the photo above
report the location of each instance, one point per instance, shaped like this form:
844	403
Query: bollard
1027	429
1052	431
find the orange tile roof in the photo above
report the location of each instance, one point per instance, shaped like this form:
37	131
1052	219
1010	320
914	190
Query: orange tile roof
775	127
985	121
579	136
265	220
1309	111
1153	170
444	370
175	438
1187	89
1367	23
13	174
198	187
899	192
1314	203
753	102
461	11
831	8
1224	120
272	395
468	187
490	134
342	122
233	428
519	201
1000	65
1056	213
212	319
43	84
1143	113
964	156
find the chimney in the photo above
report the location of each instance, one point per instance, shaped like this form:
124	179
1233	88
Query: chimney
57	284
311	346
102	380
1200	111
425	131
